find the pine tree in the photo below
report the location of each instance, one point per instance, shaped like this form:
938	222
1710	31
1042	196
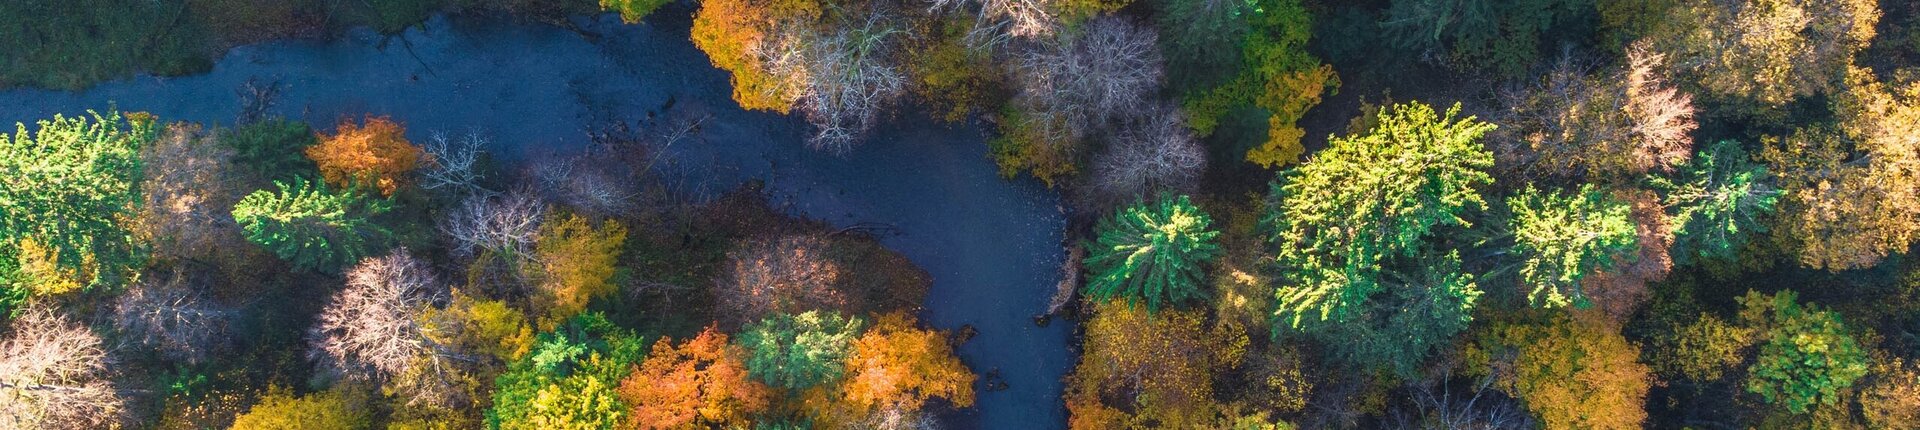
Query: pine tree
64	190
1562	238
1718	202
1151	253
311	226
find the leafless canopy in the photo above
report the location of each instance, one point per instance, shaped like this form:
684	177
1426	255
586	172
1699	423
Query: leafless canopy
588	183
997	21
369	329
51	376
784	274
189	195
1614	126
842	80
1108	72
504	225
173	316
452	163
1156	153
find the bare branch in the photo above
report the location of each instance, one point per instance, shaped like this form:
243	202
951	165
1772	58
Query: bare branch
173	316
503	225
51	376
452	163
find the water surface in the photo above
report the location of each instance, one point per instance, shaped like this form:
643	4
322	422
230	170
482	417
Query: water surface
992	245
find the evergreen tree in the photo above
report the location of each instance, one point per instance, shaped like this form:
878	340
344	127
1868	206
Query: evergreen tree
311	226
65	190
800	351
1718	202
1151	253
1809	356
1562	238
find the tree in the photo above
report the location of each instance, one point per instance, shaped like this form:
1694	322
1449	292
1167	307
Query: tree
476	325
67	188
1848	194
1158	367
335	409
568	380
1368	199
190	186
842	80
1717	202
1422	305
1155	154
1562	238
172	315
736	34
368	330
53	375
1202	38
1892	399
454	164
580	263
632	11
372	330
786	274
797	352
311	226
702	383
1607	127
1073	87
1502	36
1152	254
1809	355
374	154
506	226
996	22
1575	372
270	149
1279	76
897	366
1768	51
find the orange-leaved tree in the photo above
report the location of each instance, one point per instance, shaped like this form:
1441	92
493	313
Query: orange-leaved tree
699	384
375	153
899	366
733	34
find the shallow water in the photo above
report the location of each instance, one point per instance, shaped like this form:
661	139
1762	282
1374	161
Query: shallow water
992	245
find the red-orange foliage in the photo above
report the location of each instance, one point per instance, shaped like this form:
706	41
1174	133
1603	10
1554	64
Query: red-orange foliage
789	274
701	384
896	365
375	153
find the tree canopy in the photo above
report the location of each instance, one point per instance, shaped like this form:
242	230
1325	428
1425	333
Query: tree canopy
311	226
1152	254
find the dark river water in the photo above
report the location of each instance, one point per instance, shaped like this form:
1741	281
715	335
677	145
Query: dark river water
992	245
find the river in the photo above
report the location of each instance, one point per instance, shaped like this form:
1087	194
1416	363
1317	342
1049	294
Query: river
992	245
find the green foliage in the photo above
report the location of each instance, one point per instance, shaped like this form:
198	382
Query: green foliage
800	351
271	149
1396	329
1366	199
569	379
1562	238
1152	253
1718	202
632	11
1504	36
67	188
311	226
1279	76
70	44
1202	38
1809	355
335	409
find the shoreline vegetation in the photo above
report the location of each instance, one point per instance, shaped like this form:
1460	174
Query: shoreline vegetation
1561	214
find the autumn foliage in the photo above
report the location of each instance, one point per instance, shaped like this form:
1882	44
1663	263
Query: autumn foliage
375	153
899	366
700	383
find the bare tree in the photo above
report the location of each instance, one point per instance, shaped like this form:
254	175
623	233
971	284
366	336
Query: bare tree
591	183
842	80
1437	406
784	274
190	195
172	316
1616	126
504	225
1157	153
369	329
996	22
51	376
1083	83
451	163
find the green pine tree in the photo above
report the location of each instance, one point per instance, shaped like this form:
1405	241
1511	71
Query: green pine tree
800	351
1152	253
1561	238
67	188
311	226
1717	203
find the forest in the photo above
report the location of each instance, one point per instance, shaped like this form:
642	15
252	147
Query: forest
1280	214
